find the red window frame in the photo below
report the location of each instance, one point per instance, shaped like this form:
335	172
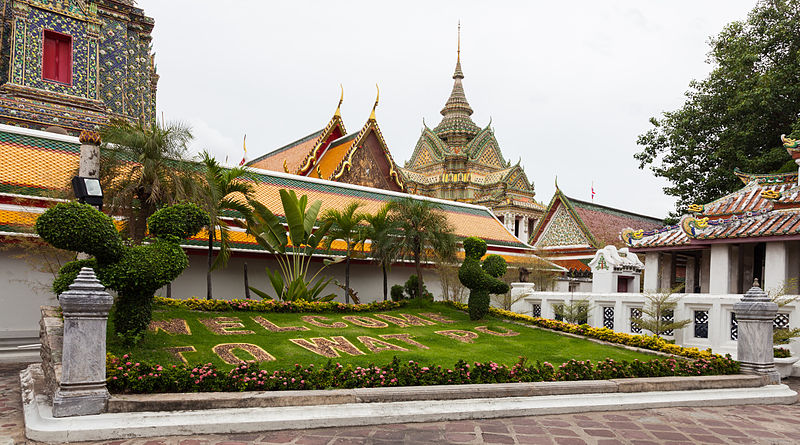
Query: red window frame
56	57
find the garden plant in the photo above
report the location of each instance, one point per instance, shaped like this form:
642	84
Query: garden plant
481	277
137	272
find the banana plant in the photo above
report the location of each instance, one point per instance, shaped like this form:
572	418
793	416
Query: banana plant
293	250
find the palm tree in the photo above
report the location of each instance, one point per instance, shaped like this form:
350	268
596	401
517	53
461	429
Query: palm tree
346	226
423	228
382	233
147	170
218	195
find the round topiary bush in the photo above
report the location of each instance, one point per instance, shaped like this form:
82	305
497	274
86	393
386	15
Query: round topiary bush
481	279
80	228
180	220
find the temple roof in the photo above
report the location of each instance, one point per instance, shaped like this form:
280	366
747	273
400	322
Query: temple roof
456	114
575	222
35	165
767	206
292	153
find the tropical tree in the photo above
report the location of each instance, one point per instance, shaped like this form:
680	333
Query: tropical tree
573	311
423	228
345	226
294	252
219	194
381	231
735	116
148	170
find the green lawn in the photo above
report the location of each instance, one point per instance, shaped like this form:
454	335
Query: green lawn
360	345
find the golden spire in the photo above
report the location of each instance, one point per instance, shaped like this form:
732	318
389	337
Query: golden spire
458	57
372	116
341	99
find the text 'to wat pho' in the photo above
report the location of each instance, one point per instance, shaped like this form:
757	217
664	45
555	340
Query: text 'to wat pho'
456	160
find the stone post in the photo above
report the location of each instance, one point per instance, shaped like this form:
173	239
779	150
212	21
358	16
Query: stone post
90	154
82	390
755	314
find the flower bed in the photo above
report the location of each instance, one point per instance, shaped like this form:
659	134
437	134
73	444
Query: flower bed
197	304
125	375
650	342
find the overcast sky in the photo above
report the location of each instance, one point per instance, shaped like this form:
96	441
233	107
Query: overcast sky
568	85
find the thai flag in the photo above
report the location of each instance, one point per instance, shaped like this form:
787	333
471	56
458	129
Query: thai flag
592	191
244	146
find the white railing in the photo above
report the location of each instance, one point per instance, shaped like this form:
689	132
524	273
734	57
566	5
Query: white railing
711	316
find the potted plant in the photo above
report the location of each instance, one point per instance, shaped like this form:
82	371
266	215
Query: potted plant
783	358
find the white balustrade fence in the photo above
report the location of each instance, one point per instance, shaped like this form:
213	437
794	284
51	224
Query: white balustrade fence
713	323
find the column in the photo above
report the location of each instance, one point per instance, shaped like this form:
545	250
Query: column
719	281
90	154
667	262
82	389
690	268
734	270
755	313
705	271
776	266
652	267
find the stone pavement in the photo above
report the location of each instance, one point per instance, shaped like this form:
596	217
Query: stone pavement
667	426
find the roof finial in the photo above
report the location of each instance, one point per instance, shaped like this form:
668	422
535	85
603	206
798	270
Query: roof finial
341	99
556	182
372	116
458	57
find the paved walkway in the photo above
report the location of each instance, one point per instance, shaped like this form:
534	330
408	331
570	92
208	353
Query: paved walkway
667	426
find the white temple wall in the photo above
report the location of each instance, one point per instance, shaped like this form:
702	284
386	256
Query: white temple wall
365	278
718	309
720	281
22	291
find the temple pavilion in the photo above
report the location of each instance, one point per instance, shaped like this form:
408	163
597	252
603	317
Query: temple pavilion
571	231
459	161
360	158
721	246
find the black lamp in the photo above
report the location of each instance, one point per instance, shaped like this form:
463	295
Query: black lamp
88	191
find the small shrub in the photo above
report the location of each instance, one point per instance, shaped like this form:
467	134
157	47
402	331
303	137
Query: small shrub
397	292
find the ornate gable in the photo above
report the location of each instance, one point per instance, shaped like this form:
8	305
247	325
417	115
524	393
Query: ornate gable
562	230
485	149
429	149
517	179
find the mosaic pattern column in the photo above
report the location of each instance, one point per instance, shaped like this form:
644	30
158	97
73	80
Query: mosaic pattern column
82	390
754	315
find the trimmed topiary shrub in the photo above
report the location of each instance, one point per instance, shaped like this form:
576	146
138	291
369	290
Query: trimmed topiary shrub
481	279
136	273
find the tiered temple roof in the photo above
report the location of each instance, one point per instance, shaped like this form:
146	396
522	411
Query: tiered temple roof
36	168
458	160
768	206
334	155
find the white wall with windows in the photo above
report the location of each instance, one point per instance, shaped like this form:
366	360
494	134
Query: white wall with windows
713	323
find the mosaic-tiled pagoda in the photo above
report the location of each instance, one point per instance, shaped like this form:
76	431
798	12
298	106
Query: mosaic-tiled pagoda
75	64
360	158
458	160
721	246
571	230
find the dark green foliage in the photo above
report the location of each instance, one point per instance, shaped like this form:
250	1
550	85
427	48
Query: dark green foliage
145	269
411	286
180	220
495	265
136	273
80	228
68	273
735	116
397	292
481	279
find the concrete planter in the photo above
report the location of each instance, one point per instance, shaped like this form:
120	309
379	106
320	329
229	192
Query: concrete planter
784	365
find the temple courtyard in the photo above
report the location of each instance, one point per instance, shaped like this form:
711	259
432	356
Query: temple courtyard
746	424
